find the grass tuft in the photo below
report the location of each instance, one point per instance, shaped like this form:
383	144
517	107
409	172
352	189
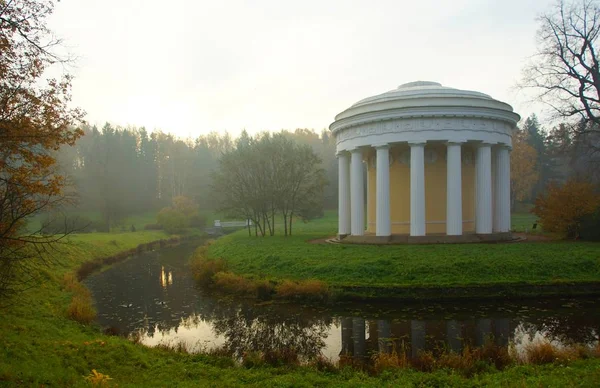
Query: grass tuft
81	309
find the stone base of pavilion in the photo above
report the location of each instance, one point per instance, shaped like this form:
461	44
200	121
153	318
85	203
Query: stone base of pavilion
428	239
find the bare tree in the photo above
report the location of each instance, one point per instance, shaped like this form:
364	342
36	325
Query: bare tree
268	175
565	72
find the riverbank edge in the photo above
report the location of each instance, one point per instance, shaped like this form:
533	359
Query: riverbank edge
467	292
431	292
89	267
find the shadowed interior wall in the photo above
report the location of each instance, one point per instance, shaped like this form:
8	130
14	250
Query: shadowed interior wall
435	189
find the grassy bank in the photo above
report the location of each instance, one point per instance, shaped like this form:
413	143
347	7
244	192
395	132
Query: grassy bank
40	345
456	270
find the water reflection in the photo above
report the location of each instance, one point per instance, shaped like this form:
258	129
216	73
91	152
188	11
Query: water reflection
361	338
140	295
166	278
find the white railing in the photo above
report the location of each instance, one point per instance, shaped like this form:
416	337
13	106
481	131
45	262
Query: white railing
232	224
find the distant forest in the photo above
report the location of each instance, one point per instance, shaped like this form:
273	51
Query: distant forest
116	171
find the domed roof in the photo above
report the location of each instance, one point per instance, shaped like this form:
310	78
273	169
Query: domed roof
427	95
421	89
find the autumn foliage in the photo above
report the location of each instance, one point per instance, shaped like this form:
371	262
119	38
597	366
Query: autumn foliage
562	208
35	121
180	215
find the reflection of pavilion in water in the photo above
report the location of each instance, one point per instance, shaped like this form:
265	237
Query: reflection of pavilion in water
361	337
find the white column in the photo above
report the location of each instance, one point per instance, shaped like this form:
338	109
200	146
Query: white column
417	189
382	214
357	196
343	193
454	190
502	186
483	189
368	214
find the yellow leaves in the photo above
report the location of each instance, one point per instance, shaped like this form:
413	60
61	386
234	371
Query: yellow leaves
563	206
185	205
98	379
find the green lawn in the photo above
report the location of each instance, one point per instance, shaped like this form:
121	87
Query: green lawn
445	265
523	222
39	346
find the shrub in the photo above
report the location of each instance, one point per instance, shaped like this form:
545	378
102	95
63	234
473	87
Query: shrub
563	207
153	227
172	220
185	205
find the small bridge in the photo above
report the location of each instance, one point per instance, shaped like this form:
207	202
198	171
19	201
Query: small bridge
232	224
218	228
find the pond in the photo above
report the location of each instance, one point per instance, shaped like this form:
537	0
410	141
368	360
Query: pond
153	297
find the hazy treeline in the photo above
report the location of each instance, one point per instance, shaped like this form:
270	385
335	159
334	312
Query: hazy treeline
120	171
542	156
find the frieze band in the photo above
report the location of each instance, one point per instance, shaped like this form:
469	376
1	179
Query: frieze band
432	124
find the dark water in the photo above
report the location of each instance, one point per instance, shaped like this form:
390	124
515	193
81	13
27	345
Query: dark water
154	296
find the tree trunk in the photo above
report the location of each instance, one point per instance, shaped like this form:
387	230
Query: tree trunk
291	216
285	232
273	220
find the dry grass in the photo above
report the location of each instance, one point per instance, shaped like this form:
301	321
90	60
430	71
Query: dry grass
234	284
280	357
425	361
468	362
203	269
70	282
545	352
305	290
324	364
388	361
475	360
277	358
81	309
174	346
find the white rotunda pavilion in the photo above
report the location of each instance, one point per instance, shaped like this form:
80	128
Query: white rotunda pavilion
437	162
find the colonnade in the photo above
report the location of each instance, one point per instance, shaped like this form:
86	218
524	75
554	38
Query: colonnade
490	216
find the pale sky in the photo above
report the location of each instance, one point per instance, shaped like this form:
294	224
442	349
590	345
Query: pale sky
191	67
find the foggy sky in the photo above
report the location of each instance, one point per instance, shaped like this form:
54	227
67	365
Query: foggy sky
190	67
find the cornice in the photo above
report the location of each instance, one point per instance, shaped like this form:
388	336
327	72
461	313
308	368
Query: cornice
507	117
